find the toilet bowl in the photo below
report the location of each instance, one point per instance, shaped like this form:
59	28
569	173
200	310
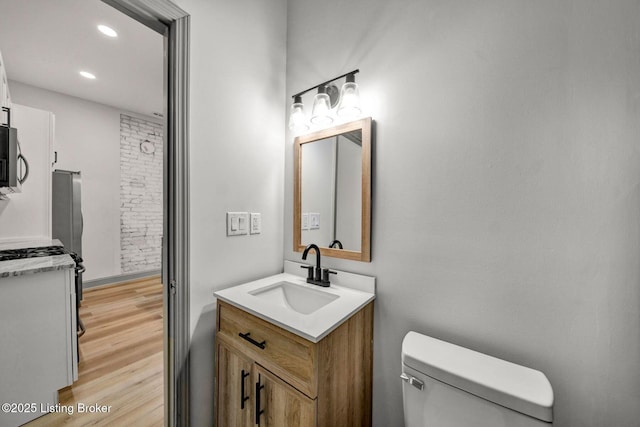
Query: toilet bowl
445	385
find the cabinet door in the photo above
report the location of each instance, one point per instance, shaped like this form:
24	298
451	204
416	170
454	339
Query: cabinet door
234	388
280	405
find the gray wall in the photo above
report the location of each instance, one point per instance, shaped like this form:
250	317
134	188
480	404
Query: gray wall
318	185
505	201
349	194
237	121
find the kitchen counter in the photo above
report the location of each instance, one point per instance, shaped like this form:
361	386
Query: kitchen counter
29	243
19	267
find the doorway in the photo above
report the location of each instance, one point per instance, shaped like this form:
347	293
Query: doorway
172	23
166	18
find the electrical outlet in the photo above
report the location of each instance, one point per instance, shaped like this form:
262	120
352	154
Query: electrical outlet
256	223
314	221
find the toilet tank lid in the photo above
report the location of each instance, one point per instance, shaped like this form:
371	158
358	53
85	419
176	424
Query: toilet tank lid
516	387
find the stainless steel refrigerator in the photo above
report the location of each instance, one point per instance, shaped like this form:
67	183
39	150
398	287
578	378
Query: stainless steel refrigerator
67	221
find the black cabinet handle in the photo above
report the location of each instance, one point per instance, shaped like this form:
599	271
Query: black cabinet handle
25	173
258	410
243	398
247	337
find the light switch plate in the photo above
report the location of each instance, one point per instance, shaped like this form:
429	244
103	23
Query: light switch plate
237	223
256	223
305	221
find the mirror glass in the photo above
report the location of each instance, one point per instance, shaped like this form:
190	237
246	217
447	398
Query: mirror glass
332	186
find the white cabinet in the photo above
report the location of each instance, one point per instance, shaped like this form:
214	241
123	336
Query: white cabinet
38	351
27	215
5	97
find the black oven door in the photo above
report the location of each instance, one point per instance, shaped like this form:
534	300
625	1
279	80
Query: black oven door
5	155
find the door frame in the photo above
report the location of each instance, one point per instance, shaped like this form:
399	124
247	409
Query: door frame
166	18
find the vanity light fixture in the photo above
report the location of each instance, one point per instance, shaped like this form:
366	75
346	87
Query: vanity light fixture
321	113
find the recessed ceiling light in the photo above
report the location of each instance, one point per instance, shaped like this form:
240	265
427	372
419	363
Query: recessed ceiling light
107	31
87	75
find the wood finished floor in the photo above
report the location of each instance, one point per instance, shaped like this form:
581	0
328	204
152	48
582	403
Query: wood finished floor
121	358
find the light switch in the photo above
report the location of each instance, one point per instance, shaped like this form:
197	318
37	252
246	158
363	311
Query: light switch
305	221
256	223
237	223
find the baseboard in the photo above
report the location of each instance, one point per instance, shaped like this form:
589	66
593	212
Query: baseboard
112	280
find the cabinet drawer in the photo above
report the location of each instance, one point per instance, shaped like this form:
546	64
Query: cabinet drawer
287	355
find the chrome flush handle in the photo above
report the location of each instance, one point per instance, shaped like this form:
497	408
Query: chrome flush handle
412	380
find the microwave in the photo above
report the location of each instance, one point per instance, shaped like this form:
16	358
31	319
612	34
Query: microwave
14	168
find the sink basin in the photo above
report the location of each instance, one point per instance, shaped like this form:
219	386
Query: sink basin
294	297
309	311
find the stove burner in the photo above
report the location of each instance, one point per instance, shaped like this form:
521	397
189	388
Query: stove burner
12	254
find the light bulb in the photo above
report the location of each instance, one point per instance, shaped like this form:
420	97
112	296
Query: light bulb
297	119
320	114
349	105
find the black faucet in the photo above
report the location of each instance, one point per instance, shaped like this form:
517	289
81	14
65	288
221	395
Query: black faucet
336	244
318	275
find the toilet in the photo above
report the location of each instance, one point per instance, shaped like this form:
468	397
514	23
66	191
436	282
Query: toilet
445	385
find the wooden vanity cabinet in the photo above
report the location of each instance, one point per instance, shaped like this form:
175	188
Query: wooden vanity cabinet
268	376
234	387
282	404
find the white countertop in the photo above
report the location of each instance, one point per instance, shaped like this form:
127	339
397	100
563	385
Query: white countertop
29	243
18	267
313	326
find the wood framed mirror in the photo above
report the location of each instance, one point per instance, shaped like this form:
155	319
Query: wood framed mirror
332	191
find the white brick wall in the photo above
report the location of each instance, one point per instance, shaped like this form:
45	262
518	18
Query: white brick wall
140	195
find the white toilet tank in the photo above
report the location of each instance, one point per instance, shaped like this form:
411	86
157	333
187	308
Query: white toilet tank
445	385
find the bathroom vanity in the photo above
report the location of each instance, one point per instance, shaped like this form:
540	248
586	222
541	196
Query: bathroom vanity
288	356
